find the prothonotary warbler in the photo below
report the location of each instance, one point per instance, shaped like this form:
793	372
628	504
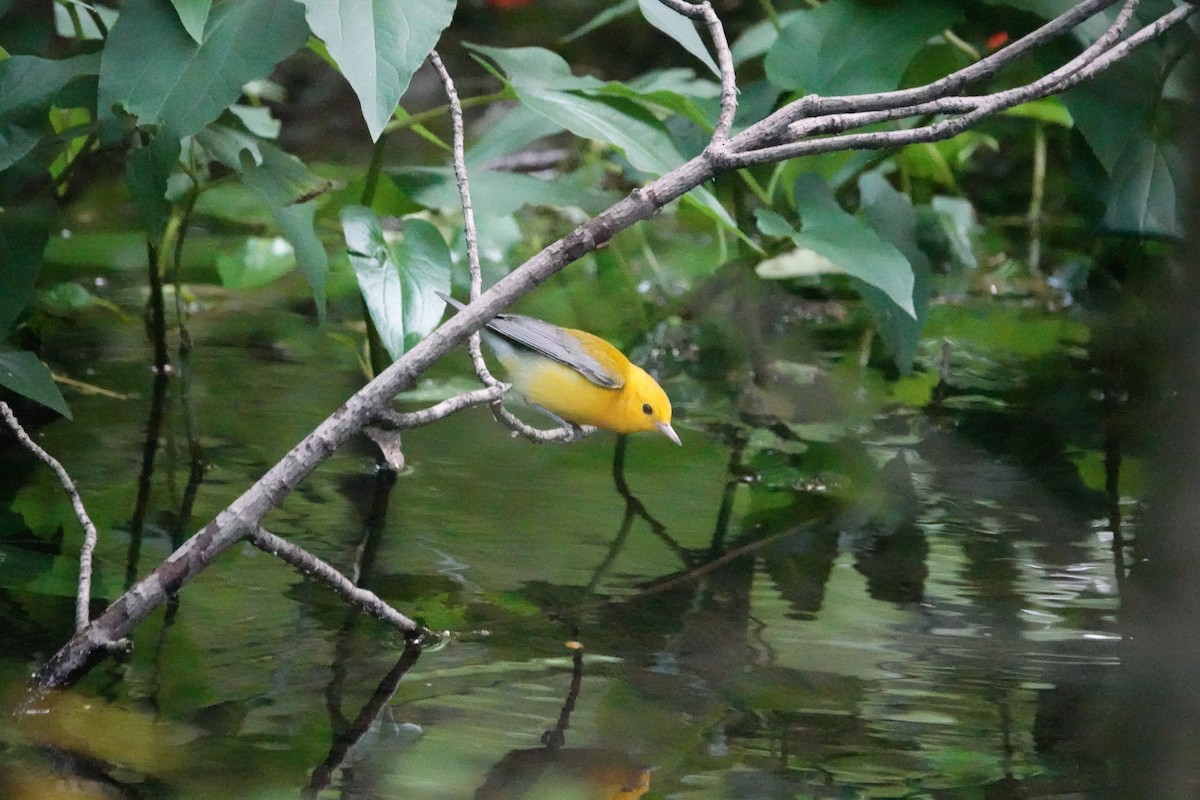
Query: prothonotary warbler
577	377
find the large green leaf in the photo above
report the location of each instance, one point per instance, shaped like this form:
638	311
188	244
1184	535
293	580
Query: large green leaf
854	46
378	45
892	216
23	373
23	237
851	245
679	28
1147	189
544	83
286	186
399	281
28	83
157	72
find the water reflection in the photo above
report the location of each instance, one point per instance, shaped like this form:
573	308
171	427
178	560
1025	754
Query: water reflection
917	603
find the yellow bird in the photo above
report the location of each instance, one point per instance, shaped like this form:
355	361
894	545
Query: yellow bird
577	377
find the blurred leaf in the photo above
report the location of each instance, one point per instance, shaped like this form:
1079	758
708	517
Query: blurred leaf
956	217
679	28
68	299
86	14
23	373
1147	189
15	144
851	245
378	45
23	236
157	72
516	130
1118	93
892	216
287	186
756	40
147	171
796	264
258	120
259	262
28	83
855	46
624	8
399	282
544	83
193	14
1049	110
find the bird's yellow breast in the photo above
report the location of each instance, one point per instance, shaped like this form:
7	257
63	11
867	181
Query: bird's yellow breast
567	394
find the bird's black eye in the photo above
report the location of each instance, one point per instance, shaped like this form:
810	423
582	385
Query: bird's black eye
646	409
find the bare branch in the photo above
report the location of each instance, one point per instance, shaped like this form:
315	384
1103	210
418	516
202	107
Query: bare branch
772	128
308	564
84	591
415	419
983	106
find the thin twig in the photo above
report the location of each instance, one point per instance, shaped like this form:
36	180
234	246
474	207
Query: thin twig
308	564
502	414
84	592
729	91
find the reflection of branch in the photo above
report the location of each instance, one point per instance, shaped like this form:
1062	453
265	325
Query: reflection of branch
312	566
556	737
710	566
348	738
83	597
634	508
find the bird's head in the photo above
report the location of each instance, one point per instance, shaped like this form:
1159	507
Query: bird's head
648	407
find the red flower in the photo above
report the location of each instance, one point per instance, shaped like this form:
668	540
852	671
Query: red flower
997	40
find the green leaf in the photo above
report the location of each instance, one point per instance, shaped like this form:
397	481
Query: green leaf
956	217
378	45
15	143
23	373
679	28
1149	182
851	245
147	170
259	262
68	299
892	216
193	14
29	83
258	120
606	16
756	40
1049	110
23	237
288	188
399	282
157	72
854	46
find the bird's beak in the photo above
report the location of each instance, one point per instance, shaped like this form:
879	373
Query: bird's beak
668	432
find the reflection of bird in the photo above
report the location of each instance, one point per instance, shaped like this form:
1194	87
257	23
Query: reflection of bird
591	774
577	377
